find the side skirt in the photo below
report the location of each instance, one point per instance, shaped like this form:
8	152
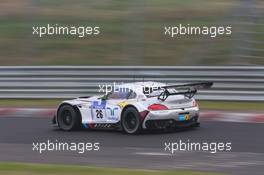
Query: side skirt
101	125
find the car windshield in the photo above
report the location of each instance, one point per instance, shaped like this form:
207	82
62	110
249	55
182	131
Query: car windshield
119	94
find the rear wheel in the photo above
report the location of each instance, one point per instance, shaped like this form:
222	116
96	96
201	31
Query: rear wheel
130	121
68	118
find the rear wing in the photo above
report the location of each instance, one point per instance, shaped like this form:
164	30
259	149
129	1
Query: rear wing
188	90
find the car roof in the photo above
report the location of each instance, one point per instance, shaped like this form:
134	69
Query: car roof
138	86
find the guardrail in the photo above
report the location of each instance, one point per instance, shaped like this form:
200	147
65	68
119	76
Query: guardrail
231	83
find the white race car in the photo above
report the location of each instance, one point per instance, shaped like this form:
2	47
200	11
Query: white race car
133	107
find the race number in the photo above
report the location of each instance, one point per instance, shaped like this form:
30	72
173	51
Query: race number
99	114
98	110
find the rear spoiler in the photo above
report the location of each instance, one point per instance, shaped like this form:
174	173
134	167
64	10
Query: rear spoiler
190	92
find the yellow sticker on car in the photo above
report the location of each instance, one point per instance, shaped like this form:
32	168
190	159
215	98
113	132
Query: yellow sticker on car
187	117
184	117
122	104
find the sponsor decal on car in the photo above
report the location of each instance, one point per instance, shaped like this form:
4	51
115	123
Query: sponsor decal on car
122	104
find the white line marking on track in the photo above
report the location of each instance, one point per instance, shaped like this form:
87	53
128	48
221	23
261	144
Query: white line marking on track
153	154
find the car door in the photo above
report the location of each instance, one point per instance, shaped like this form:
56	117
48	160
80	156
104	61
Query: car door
112	109
98	111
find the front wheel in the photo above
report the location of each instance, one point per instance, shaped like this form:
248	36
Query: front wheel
130	121
68	118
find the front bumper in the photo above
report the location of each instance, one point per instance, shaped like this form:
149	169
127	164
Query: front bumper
170	118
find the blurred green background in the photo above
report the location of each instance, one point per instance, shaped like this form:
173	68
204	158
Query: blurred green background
131	32
46	169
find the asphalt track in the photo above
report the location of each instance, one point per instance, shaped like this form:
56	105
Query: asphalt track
145	151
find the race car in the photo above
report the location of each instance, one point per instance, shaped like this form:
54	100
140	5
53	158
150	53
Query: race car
133	107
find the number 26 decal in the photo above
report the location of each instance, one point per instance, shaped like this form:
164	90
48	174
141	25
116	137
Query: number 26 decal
99	114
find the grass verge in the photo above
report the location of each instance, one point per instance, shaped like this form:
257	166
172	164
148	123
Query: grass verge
232	105
29	169
131	32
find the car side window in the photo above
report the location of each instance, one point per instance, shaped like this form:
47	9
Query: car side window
123	93
119	94
132	95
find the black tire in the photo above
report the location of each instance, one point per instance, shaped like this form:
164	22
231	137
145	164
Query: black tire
130	121
68	118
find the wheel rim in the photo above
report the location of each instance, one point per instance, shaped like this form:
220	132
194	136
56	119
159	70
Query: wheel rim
66	118
131	122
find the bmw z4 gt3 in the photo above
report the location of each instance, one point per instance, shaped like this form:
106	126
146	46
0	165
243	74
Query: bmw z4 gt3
133	107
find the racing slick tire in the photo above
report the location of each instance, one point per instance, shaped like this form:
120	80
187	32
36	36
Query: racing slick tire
130	121
68	118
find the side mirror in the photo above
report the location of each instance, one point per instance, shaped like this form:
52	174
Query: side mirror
104	97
